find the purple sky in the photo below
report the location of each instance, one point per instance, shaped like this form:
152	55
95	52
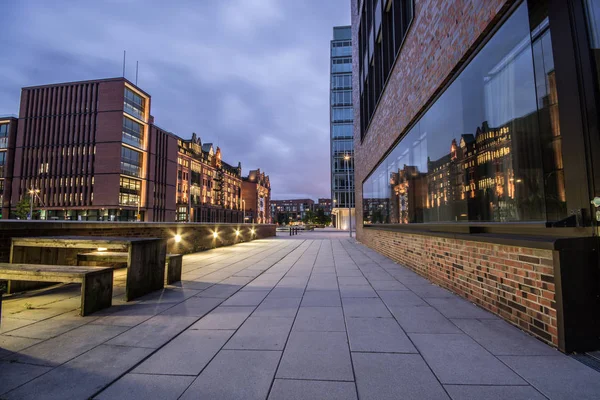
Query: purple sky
250	75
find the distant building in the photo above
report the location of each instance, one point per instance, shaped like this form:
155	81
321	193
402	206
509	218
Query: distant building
286	211
208	189
8	133
341	128
90	151
325	205
256	190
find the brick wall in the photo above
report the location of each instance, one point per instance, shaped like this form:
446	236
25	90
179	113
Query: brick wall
194	237
516	283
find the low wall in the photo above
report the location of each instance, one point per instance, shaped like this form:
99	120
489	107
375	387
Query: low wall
194	236
545	289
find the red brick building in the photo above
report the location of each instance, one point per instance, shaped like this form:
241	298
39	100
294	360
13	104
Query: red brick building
256	189
91	151
477	152
8	134
208	189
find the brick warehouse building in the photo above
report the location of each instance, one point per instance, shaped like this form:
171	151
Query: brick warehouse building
476	138
90	151
256	188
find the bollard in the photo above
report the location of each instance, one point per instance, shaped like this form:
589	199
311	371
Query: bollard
290	231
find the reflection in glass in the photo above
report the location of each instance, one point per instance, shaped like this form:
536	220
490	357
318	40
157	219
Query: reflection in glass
487	150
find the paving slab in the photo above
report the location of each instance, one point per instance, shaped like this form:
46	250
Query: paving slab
430	290
365	307
473	392
323	319
246	298
14	374
456	307
290	389
557	377
236	374
378	335
357	291
194	307
154	332
278	307
224	318
400	298
458	359
83	376
10	344
389	284
502	339
187	354
423	320
316	355
146	387
395	376
52	327
69	345
261	333
321	298
8	324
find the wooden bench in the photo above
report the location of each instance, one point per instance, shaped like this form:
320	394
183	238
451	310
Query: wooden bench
173	264
96	282
145	261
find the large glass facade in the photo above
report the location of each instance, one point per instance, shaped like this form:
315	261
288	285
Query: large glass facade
488	149
342	117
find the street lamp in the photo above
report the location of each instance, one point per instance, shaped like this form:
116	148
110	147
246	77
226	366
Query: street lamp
347	159
32	193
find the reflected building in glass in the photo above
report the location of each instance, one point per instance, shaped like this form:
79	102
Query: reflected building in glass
477	153
341	128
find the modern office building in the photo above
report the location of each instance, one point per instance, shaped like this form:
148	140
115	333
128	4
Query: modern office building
8	133
87	151
477	145
284	212
90	151
341	128
208	189
256	190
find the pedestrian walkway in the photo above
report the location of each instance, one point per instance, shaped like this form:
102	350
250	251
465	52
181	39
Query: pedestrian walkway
302	318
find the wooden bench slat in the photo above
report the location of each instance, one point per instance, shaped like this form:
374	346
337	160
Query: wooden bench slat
58	270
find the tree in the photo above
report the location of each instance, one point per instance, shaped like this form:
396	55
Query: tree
308	217
281	218
22	207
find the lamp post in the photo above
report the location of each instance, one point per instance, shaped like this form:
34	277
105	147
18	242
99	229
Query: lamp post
243	211
347	159
32	192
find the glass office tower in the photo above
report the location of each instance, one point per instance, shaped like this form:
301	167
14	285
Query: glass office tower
341	128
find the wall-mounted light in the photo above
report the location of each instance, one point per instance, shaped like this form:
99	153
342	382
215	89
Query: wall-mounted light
102	249
252	231
237	232
215	234
177	238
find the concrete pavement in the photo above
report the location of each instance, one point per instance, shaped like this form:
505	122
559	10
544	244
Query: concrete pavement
313	316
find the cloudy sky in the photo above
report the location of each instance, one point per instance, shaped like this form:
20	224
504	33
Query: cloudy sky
249	75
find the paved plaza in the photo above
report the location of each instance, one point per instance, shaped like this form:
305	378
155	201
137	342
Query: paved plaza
313	316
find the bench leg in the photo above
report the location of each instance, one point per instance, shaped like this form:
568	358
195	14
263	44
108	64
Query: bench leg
96	292
173	273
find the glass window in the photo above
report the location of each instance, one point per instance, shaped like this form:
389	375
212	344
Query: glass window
4	128
134	104
488	149
133	133
342	130
341	65
341	98
131	162
343	114
130	192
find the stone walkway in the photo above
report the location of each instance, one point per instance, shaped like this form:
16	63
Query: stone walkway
315	316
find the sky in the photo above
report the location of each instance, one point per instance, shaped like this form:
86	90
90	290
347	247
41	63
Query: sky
251	76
